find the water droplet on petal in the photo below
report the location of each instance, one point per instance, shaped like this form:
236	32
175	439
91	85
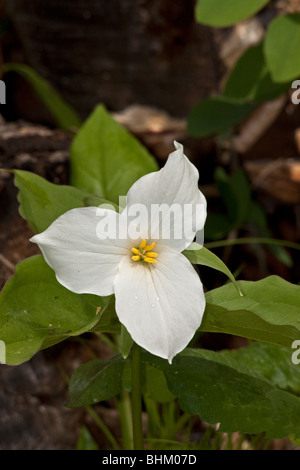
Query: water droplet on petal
153	305
157	298
136	297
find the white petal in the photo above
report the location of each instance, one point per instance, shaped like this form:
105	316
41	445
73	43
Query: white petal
176	187
161	305
83	262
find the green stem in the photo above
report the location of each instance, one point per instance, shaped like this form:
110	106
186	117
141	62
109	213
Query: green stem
103	427
125	411
136	398
241	241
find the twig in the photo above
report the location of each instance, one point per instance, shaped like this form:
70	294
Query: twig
7	263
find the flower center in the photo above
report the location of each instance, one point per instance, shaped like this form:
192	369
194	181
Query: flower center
144	253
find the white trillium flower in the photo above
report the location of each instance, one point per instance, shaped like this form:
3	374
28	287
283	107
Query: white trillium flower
159	295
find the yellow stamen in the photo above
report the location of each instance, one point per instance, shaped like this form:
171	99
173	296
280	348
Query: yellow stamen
151	254
144	253
142	244
149	247
149	260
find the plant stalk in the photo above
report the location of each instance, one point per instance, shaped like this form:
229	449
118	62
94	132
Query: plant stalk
262	240
136	399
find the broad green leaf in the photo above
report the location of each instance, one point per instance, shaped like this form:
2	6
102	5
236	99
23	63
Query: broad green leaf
281	47
268	310
260	360
216	115
271	362
41	202
246	75
105	159
201	255
96	201
64	115
220	389
37	312
226	13
95	381
243	323
250	78
156	387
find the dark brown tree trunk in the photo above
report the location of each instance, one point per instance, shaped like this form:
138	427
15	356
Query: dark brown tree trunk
119	52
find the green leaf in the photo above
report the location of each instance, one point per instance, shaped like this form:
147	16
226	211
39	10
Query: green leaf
268	311
95	381
282	45
216	115
37	312
271	362
108	322
217	226
294	440
64	115
250	78
235	192
105	159
201	255
154	385
226	13
96	201
220	389
42	202
258	218
126	342
86	440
